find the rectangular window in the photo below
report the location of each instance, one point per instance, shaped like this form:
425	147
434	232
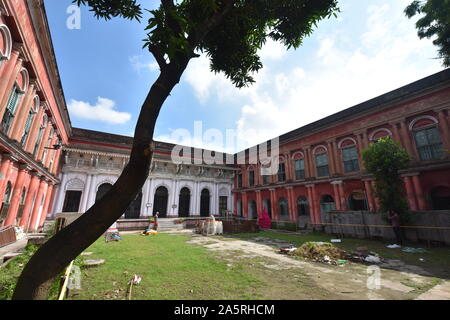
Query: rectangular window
350	158
251	178
299	169
322	165
223	204
265	179
281	172
240	180
429	144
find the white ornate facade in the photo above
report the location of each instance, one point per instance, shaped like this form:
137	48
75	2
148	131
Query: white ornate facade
86	169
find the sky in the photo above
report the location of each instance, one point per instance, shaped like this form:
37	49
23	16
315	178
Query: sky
369	49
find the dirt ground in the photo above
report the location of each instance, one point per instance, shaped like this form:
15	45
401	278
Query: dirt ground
291	278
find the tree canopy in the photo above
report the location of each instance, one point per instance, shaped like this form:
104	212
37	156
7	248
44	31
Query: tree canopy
434	23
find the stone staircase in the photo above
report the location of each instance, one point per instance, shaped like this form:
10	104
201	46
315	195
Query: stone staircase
169	225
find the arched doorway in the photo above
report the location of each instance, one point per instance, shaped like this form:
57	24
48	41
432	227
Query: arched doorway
357	201
440	198
268	207
283	209
204	203
252	209
6	203
160	201
184	202
327	203
102	190
302	206
134	210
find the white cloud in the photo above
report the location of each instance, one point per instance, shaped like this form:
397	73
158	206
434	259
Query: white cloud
138	64
102	111
272	50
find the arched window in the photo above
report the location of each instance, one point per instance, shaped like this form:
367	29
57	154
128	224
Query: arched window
31	113
205	203
184	202
5	44
251	176
281	170
283	209
321	156
379	134
302	206
102	190
327	203
299	165
349	153
239	180
427	137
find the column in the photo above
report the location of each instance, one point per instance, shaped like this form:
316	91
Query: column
315	204
308	164
288	163
365	140
4	170
61	194
43	141
444	130
56	160
338	160
336	195
48	196
37	205
395	133
422	204
92	191
144	207
244	205
259	204
175	198
16	195
34	183
406	139
343	200
291	203
11	69
273	206
410	193
22	112
50	152
370	200
37	121
85	195
360	148
332	157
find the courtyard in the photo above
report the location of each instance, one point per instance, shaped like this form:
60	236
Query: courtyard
248	266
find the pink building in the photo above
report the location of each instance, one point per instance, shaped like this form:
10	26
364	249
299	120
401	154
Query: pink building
33	116
320	167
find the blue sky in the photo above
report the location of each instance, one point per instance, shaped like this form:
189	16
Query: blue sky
371	48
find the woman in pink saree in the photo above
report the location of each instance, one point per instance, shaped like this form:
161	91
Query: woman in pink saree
264	220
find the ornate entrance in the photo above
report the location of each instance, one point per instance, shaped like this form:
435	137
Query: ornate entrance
184	202
160	201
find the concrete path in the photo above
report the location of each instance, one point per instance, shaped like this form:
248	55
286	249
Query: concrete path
439	292
13	247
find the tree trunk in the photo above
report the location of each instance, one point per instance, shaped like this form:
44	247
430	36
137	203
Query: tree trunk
66	245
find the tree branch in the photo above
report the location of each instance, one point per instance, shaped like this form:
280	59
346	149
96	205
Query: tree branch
169	7
159	57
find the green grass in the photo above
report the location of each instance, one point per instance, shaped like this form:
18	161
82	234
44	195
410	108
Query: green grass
436	261
170	269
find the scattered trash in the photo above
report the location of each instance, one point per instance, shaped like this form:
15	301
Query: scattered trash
372	259
324	252
287	250
19	233
341	261
422	259
414	250
335	240
393	246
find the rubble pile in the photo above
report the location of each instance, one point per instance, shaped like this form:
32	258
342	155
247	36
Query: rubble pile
324	252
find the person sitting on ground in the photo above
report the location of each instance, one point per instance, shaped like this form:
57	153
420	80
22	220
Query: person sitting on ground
394	217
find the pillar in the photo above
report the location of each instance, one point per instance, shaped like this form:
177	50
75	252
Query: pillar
244	205
43	141
370	200
85	195
34	183
338	161
259	204
359	149
406	139
22	111
289	169
37	205
48	197
308	163
343	200
37	122
315	205
273	205
410	194
444	130
336	196
50	152
422	204
16	195
11	69
4	170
